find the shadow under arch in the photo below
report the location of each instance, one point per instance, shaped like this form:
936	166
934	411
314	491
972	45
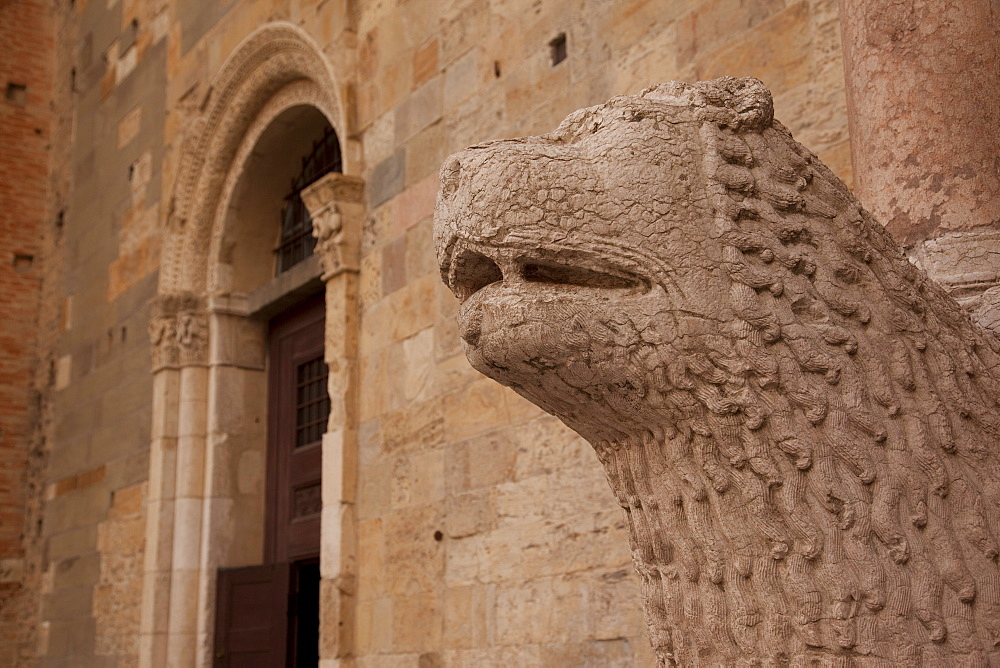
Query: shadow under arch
205	503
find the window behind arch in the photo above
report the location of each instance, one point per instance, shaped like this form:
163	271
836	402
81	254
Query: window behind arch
297	242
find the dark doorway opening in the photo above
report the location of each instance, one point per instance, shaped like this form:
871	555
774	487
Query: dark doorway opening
303	618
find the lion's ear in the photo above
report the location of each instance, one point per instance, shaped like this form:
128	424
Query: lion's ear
741	104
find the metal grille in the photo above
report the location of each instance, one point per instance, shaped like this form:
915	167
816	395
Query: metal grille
297	242
312	403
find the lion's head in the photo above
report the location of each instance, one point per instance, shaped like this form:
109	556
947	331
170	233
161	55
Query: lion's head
794	418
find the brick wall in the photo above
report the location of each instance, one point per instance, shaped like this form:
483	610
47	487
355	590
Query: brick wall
26	64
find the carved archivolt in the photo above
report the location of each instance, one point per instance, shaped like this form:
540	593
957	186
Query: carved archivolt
268	61
801	428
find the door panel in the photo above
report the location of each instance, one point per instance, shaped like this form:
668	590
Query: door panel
299	407
251	618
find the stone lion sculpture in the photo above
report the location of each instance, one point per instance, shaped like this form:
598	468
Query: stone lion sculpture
800	426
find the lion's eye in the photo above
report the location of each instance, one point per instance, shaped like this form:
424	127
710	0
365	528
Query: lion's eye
536	272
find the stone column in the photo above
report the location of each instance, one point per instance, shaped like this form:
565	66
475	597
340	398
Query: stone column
178	331
232	527
923	92
336	205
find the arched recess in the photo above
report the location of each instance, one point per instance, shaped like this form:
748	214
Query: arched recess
208	452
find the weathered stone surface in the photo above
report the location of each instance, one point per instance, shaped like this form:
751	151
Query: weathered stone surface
922	88
799	425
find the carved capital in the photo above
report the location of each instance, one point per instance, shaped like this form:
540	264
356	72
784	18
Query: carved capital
336	206
178	331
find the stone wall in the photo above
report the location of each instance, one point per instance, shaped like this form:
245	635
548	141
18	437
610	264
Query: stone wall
485	531
111	57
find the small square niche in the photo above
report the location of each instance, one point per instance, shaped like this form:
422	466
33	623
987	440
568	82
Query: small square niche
17	94
557	49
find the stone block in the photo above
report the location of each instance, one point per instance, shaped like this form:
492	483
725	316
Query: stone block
76	509
413	307
77	571
71	543
417	622
374	372
414	550
414	429
566	618
380	138
64	369
458	617
470	514
71	638
420	260
419	109
486	460
371	558
568	490
613	591
418	364
475	409
415	204
425	62
127	502
478	119
395	85
129	469
374	628
375	479
387	178
68	603
461	79
546	445
237	341
369	443
128	127
417	479
612	653
370	280
128	434
469	25
717	22
393	265
376	329
11	570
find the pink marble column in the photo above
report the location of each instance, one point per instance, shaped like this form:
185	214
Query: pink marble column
923	85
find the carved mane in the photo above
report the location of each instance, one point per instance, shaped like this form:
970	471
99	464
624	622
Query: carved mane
812	476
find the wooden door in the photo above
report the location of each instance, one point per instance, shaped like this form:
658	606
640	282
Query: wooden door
298	406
